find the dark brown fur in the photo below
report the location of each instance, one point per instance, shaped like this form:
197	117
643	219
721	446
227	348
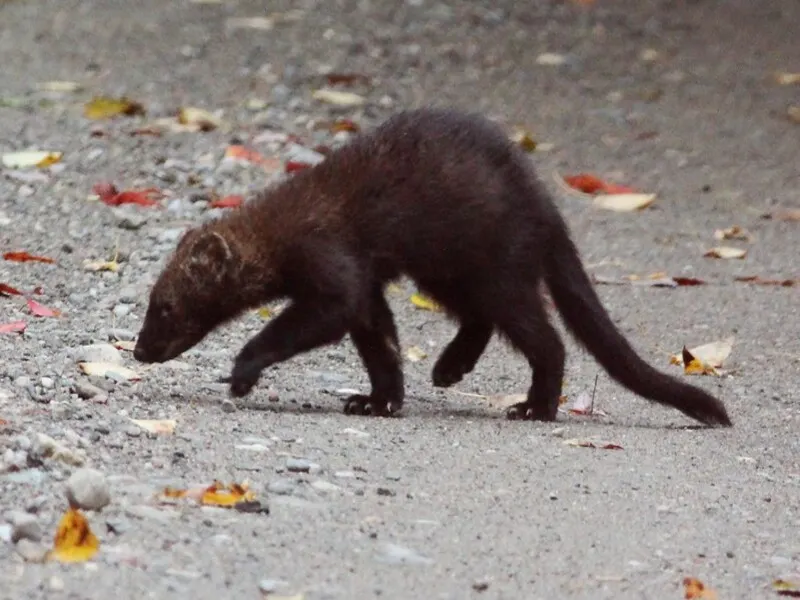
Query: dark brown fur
439	196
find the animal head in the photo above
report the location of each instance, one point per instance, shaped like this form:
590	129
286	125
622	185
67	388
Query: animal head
196	292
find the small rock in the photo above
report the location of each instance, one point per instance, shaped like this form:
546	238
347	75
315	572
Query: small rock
23	381
24	526
133	431
382	491
228	406
128	295
87	391
344	474
558	432
47	383
121	310
104	353
5	532
300	465
393	476
127	219
47	447
88	489
56	584
553	496
281	487
122	335
31	551
325	486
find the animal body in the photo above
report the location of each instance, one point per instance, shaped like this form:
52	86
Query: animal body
440	196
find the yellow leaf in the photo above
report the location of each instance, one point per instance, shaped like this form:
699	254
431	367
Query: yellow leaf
523	139
784	587
733	233
199	119
31	158
338	98
103	107
104	369
425	303
60	86
160	426
101	265
726	252
705	359
217	494
787	78
74	540
415	354
623	202
694	589
793	112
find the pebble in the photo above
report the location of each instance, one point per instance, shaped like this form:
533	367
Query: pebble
270	586
5	532
127	219
281	487
47	383
393	476
105	353
24	526
87	391
123	335
553	496
325	486
133	431
301	465
55	583
88	489
228	406
122	310
31	551
23	381
47	447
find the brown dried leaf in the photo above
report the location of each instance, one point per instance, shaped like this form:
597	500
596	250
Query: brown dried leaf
726	252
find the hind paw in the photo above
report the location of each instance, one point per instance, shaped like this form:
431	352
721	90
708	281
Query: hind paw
447	373
527	411
359	404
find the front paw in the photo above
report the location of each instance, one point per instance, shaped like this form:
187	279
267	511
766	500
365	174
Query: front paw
243	378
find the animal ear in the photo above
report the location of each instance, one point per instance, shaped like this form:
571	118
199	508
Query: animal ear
211	255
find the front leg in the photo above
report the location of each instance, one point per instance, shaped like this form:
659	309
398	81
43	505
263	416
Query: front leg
301	327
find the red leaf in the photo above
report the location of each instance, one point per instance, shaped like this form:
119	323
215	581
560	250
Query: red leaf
26	257
295	165
688	281
42	311
105	189
757	280
227	202
345	78
13	327
7	290
110	195
612	447
589	184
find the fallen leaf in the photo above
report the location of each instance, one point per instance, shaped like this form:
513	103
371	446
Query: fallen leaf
733	233
257	23
501	401
578	443
785	587
7	290
217	494
227	202
523	139
296	165
705	359
584	405
688	281
198	118
245	154
338	98
726	252
346	78
126	345
31	158
60	86
783	78
416	354
108	194
26	257
344	125
158	426
40	310
104	107
101	265
783	214
793	112
590	184
13	327
551	59
758	280
425	303
74	540
109	370
623	202
696	589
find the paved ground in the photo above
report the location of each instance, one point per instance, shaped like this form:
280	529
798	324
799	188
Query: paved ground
450	501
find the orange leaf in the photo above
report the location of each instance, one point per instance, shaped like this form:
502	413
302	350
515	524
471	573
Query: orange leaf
7	290
344	125
26	257
42	311
696	589
590	184
74	540
783	214
227	202
13	327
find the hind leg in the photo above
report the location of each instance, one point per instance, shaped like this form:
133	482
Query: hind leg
377	344
523	320
462	353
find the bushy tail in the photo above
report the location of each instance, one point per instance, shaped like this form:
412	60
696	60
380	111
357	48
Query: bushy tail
578	303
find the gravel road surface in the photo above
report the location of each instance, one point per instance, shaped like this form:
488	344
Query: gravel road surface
451	500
